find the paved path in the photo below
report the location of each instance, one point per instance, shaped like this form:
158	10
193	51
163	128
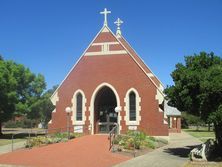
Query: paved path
175	154
8	148
86	151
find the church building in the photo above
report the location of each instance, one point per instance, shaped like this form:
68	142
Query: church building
110	85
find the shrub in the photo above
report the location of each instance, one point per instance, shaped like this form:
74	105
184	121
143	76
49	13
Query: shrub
25	123
36	141
150	143
11	124
135	139
54	138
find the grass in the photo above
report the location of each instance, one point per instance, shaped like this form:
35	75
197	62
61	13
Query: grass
9	141
6	138
202	134
203	164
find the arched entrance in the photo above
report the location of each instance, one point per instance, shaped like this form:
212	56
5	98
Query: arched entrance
105	117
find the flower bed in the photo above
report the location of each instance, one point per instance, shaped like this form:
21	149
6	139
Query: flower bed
137	141
49	139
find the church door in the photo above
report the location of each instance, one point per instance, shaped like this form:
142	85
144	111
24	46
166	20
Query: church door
105	115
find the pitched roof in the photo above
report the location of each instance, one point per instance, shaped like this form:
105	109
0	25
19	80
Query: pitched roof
140	61
105	35
171	111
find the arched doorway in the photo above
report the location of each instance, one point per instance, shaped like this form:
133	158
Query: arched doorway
105	117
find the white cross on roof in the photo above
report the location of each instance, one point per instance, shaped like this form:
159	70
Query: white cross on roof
105	12
118	22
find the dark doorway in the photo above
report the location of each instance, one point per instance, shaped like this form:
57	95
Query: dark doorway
105	116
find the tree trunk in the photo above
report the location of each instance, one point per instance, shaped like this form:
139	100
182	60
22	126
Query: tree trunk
0	128
218	135
208	127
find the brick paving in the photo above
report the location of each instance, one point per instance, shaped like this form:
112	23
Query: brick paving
86	151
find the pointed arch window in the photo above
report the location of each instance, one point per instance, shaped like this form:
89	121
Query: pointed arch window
79	107
132	106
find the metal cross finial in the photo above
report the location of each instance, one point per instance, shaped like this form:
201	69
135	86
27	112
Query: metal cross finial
105	12
118	22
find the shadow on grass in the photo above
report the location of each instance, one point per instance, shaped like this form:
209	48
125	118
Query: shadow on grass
180	151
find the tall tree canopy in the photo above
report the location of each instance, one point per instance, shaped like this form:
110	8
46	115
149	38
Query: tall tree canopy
42	108
197	88
19	89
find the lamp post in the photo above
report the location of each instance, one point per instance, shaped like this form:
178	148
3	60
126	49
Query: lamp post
117	110
68	111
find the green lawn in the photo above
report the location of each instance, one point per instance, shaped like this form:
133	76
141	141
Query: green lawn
9	141
19	135
203	164
201	134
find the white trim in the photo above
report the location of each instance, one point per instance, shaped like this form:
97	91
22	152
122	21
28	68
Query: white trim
54	111
135	59
159	96
150	74
140	58
74	121
102	43
138	108
91	107
55	98
105	51
103	28
139	64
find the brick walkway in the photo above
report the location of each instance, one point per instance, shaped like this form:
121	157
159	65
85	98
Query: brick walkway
87	151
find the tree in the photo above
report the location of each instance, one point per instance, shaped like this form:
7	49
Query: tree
191	120
1	57
197	87
19	88
43	107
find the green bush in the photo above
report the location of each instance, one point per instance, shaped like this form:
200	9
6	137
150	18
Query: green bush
135	139
36	141
150	143
25	123
10	124
54	138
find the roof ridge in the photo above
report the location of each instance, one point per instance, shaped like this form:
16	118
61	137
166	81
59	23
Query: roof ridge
137	62
105	26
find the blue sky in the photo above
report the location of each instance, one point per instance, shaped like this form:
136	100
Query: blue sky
49	36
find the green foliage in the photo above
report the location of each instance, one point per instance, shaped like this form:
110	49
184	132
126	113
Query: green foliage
24	123
43	107
19	90
50	139
135	139
197	88
198	85
192	119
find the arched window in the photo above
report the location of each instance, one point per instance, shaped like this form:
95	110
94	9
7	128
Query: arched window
132	106
79	107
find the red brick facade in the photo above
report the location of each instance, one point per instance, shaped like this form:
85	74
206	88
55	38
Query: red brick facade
175	124
123	71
